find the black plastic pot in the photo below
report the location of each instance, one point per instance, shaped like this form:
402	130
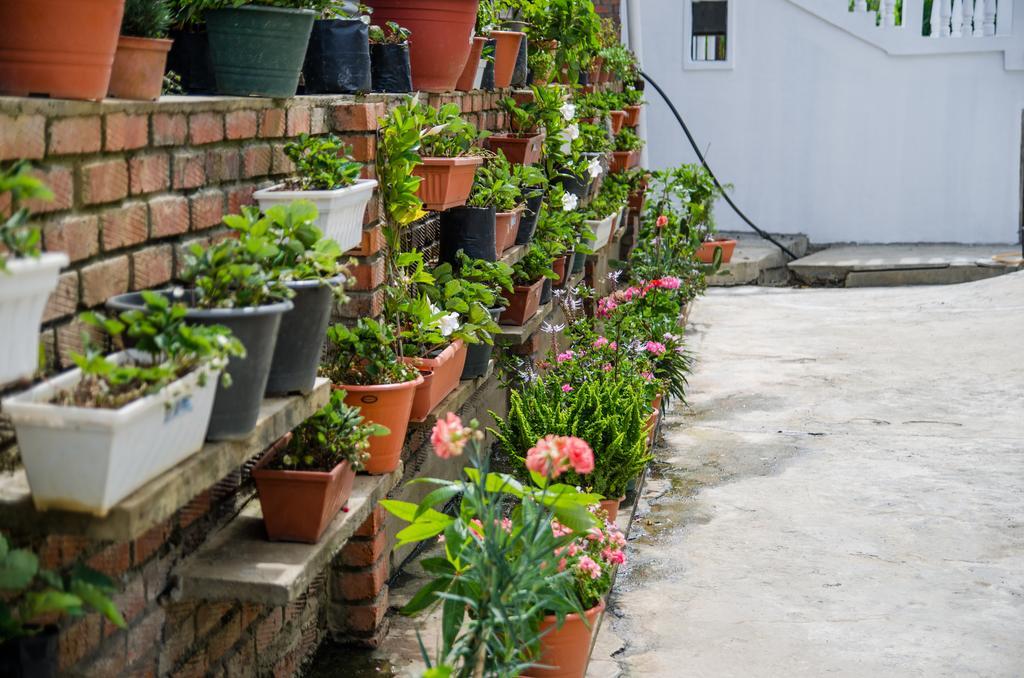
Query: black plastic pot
236	408
338	57
479	355
257	50
545	292
300	340
30	656
190	59
575	185
528	222
390	70
579	261
488	80
470	229
519	74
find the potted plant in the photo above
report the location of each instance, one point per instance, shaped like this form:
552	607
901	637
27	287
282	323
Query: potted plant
627	150
80	433
708	250
528	276
189	57
523	147
634	101
494	191
440	40
33	600
506	53
138	70
449	157
27	276
306	478
60	48
473	71
258	49
363	360
389	59
326	175
531	182
338	57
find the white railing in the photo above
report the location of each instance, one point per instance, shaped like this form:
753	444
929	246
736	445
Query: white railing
946	19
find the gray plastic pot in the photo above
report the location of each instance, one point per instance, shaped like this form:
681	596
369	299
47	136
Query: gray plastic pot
235	409
300	339
479	355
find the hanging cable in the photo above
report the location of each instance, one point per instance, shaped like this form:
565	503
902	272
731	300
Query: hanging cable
704	162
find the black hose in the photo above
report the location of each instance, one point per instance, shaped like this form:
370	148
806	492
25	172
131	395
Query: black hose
704	162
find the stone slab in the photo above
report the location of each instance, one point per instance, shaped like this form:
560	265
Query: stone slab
161	497
755	261
239	563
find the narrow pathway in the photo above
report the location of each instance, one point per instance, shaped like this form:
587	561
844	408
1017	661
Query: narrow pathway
844	495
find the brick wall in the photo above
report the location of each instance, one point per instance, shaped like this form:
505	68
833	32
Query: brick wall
608	8
134	184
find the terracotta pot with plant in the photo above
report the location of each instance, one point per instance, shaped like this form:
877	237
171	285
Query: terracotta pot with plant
707	249
306	477
449	156
141	57
529	274
471	72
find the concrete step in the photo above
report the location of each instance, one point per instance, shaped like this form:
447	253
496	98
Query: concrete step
756	261
891	265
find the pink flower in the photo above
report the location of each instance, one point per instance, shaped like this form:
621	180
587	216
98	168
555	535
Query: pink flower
600	341
580	455
573	549
631	292
561	565
613	556
559	529
616	537
594	534
553	455
647	375
565	357
587	565
566	388
506	525
449	436
614	346
476	527
669	283
655	347
607	367
662	221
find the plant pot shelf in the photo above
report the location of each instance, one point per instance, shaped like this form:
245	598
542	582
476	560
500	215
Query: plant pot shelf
513	254
515	335
239	563
161	497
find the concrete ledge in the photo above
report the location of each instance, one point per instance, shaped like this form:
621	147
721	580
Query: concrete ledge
161	497
756	261
238	563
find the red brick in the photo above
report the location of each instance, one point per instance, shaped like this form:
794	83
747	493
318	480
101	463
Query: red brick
104	279
168	215
372	242
64	300
124	226
211	615
207	209
60	180
363	146
22	136
372	212
111	660
150	542
189	170
223	164
240	664
250	613
104	181
318	121
180	636
78	236
365	618
373	524
298	120
112	561
224	638
74	135
256	160
239	196
205	128
280	163
195	667
149	173
145	635
366	276
268	629
363	552
240	125
78	640
365	583
132	600
124	132
195	509
272	123
156	573
169	129
70	340
151	267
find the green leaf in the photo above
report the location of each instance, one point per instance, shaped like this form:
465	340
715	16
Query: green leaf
18	569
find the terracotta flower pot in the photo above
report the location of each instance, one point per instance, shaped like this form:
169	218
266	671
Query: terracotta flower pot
636	199
519	149
506	225
522	303
595	70
523	98
624	160
388	405
440	40
446	181
618	118
566	649
299	505
138	71
633	115
506	52
558	266
652	427
612	507
440	377
61	48
468	76
656	402
706	251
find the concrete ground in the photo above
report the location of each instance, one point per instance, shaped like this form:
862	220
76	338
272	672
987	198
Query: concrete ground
844	495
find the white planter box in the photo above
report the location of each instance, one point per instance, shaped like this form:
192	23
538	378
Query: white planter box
340	211
24	289
479	77
602	230
88	459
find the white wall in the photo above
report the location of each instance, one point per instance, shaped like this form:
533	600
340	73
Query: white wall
824	134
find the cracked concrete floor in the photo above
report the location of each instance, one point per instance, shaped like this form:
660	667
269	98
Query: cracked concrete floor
844	495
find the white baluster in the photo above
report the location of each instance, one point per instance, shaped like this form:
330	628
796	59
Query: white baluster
968	17
979	15
860	6
887	8
943	17
957	19
991	16
934	20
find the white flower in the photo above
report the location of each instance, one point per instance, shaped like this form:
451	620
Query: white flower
572	132
449	323
568	111
569	202
594	168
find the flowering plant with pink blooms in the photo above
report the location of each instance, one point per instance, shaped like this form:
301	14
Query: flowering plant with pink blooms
592	557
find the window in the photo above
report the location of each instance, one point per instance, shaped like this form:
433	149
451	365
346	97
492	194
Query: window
709	34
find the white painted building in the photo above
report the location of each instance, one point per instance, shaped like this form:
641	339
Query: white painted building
831	125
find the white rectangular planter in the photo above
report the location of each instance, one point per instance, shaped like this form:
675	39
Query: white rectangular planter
88	459
340	211
24	289
602	230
